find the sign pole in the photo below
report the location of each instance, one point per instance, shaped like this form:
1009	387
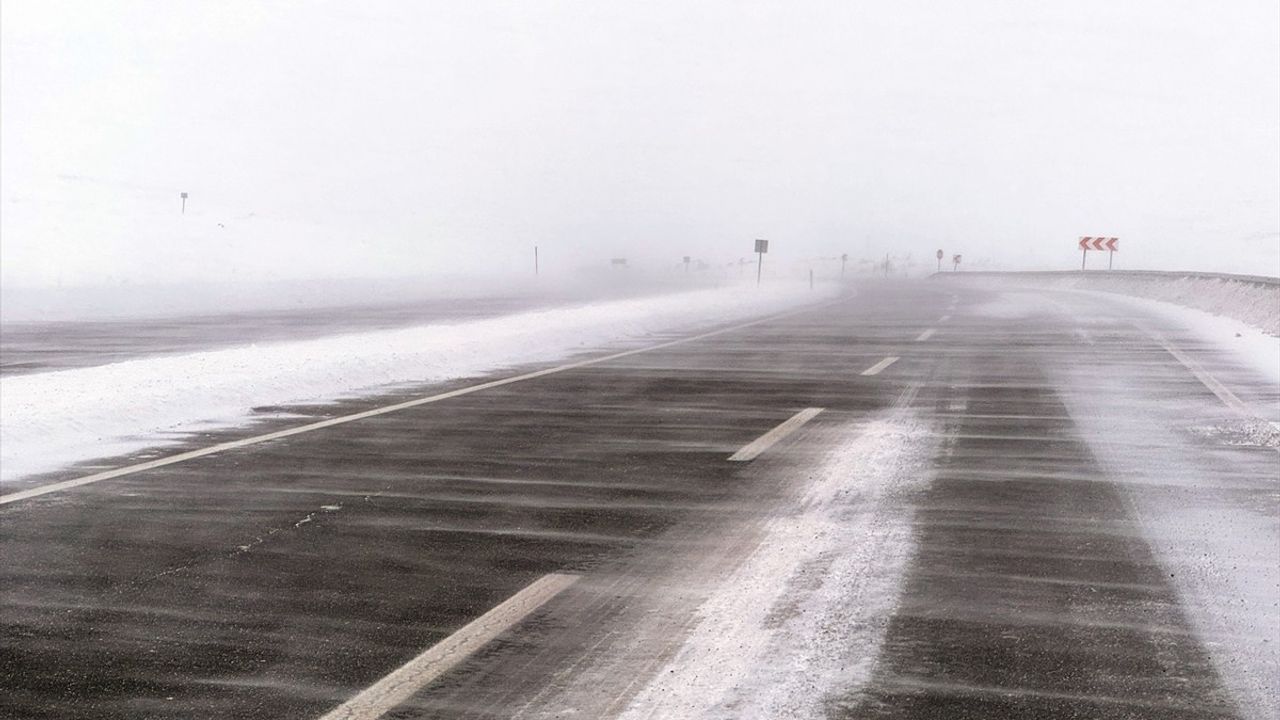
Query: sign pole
535	259
1084	255
1111	256
762	247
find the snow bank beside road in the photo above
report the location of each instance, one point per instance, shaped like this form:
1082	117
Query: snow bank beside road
51	420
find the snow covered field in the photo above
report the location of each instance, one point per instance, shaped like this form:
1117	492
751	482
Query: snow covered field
51	420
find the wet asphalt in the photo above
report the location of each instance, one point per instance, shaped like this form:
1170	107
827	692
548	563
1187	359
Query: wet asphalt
278	580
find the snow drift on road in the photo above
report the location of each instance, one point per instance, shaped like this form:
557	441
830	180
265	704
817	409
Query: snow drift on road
795	629
51	420
1238	316
1241	299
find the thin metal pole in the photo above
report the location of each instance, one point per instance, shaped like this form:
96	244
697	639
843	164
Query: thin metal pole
759	266
1084	255
811	279
535	259
1111	256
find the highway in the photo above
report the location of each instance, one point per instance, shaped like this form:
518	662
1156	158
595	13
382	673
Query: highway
921	500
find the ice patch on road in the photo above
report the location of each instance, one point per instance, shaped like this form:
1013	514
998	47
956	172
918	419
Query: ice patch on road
800	621
51	420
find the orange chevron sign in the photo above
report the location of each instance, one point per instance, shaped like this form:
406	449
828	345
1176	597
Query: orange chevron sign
1100	243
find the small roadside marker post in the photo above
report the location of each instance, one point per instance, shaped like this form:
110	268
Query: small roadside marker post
844	258
686	263
955	263
184	203
810	278
762	247
940	253
535	259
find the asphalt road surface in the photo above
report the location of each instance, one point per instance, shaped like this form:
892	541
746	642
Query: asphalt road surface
919	501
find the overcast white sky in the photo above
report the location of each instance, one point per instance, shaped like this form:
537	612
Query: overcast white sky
377	138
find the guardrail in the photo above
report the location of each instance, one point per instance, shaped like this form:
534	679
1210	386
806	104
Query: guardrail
1103	274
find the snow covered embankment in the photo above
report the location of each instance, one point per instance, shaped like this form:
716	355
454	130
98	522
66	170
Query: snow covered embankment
51	420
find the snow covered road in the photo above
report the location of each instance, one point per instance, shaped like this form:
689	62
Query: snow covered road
1037	510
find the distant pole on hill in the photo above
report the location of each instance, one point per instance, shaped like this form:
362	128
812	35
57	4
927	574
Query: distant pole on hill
184	203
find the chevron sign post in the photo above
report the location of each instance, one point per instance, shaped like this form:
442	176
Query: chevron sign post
1110	244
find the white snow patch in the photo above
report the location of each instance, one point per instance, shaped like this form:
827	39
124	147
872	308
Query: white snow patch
803	616
51	420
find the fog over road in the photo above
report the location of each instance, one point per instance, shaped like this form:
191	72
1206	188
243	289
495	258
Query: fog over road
919	500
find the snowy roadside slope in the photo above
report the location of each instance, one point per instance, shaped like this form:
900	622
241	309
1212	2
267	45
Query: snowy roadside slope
51	420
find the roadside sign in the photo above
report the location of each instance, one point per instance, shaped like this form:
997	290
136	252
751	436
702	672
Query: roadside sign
1089	242
939	260
1100	243
955	262
762	247
940	254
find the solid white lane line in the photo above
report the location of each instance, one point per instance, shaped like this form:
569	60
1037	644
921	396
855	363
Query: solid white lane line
411	677
944	318
926	334
256	439
752	449
1224	394
875	369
